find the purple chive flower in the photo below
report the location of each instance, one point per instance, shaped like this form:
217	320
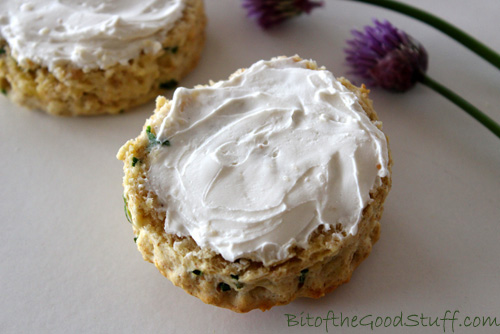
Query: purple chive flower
268	13
387	57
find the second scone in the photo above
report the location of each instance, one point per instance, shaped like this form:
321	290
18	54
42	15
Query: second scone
80	58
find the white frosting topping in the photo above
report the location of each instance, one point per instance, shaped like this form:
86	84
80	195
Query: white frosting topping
87	33
258	162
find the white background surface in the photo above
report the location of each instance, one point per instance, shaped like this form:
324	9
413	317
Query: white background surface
68	260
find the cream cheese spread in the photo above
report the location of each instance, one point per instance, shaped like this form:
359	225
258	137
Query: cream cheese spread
89	34
258	162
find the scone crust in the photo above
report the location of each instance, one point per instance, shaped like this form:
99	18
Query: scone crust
327	263
69	91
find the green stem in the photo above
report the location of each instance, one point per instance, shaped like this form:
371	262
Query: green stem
460	36
459	101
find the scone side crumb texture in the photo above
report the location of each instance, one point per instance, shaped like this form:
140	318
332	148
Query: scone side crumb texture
67	91
244	285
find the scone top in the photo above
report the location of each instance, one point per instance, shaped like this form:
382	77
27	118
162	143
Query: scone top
258	162
88	34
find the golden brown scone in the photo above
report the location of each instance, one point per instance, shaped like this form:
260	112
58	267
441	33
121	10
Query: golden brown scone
244	284
69	91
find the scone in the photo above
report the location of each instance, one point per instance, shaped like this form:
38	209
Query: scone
251	192
93	57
